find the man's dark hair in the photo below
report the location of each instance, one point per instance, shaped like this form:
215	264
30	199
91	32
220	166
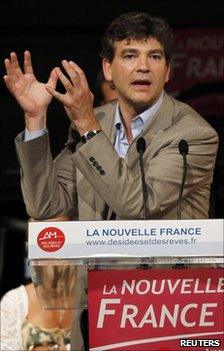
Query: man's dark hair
138	26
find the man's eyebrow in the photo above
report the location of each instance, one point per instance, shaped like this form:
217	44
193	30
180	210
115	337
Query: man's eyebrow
132	50
156	51
129	50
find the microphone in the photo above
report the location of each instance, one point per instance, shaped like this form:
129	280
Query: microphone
183	147
183	150
141	146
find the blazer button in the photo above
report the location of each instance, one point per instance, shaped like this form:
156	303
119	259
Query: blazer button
95	164
92	159
102	172
98	168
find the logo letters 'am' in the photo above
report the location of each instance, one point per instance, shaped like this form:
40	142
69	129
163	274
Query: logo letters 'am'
49	235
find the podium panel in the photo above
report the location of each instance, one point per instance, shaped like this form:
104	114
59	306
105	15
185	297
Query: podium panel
182	258
121	239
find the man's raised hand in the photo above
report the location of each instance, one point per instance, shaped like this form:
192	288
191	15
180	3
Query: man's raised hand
31	94
78	99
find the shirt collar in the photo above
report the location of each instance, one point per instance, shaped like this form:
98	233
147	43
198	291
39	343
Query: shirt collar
141	119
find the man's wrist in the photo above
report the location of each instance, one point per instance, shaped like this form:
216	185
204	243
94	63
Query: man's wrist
36	122
86	124
89	135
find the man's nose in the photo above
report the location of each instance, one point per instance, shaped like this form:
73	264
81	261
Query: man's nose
143	64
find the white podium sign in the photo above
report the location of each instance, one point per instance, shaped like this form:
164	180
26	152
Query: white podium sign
150	238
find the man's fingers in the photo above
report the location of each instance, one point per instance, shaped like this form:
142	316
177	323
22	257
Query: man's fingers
52	81
28	68
7	81
9	68
9	84
81	74
15	63
12	75
54	93
65	81
73	74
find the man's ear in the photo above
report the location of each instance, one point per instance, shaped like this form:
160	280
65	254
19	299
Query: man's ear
106	66
168	74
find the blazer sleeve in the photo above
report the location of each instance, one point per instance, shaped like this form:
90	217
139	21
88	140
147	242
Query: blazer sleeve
48	187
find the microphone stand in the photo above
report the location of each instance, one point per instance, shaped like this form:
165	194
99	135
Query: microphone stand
141	146
144	187
183	149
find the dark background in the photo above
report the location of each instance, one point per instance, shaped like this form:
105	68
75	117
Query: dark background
53	31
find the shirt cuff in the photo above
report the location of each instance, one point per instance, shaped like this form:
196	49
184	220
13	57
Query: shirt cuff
35	134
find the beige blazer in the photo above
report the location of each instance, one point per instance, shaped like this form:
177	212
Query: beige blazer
82	182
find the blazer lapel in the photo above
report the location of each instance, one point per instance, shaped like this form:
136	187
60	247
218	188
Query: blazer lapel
161	121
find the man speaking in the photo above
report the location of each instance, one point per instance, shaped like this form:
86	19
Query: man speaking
100	177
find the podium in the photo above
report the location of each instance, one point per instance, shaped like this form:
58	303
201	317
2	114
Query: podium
134	253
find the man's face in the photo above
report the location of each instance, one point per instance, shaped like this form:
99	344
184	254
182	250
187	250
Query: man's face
138	70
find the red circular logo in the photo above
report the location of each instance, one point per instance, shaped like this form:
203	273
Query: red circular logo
51	239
